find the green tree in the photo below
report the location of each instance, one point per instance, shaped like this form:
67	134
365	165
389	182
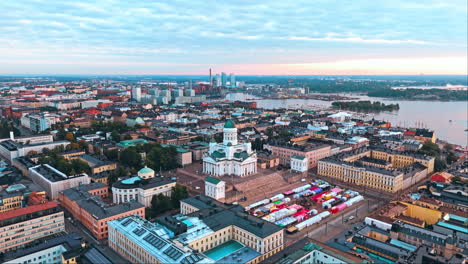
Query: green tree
130	157
112	154
179	192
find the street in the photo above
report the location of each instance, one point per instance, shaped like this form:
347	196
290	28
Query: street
100	245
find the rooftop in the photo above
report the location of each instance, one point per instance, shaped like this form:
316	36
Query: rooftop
96	207
217	215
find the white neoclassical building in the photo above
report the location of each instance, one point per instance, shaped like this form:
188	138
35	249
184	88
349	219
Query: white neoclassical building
215	188
230	157
141	188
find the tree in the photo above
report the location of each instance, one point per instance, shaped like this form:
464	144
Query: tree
112	178
439	165
112	154
179	192
430	149
162	158
130	157
160	204
115	175
451	158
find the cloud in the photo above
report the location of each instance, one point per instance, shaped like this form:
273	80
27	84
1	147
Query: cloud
223	32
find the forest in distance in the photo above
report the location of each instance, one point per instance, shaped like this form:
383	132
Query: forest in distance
365	106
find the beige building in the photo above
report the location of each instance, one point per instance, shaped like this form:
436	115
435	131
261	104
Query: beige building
22	226
377	168
312	153
229	222
141	188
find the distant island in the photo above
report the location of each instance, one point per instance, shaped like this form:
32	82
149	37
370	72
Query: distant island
421	94
365	106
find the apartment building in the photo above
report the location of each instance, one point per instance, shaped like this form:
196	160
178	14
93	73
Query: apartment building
22	226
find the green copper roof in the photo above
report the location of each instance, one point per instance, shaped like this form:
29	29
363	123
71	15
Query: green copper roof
212	180
229	124
297	157
145	170
218	155
241	155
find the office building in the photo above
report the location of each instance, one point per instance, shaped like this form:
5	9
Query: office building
224	79
136	93
22	226
54	181
18	147
232	80
140	241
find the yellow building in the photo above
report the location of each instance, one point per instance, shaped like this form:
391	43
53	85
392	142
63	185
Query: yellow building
10	201
376	167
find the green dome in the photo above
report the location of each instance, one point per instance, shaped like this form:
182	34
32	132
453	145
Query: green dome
146	170
229	124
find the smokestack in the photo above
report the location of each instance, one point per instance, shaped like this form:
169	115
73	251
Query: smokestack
12	135
211	82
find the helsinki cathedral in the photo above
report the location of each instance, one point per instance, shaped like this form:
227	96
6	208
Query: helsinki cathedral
230	157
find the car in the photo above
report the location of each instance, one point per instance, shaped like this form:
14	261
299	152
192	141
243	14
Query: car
197	188
351	218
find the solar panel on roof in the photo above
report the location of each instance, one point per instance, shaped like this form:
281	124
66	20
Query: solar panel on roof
155	241
173	253
127	221
139	231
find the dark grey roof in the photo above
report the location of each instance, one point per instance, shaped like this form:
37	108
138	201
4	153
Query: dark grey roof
143	183
96	207
218	216
69	241
419	232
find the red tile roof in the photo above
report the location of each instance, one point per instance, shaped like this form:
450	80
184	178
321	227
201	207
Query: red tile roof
27	210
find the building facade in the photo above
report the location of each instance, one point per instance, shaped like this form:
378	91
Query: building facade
22	226
86	206
215	188
54	181
312	154
141	188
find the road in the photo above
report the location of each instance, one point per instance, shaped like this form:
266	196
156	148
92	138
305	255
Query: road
101	245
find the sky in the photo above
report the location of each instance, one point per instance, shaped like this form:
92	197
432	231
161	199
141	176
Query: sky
274	37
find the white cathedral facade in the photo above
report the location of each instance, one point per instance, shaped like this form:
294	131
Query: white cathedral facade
230	157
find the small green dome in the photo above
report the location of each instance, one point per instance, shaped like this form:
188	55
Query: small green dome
146	170
229	124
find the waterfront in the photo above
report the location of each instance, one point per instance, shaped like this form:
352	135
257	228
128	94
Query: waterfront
430	114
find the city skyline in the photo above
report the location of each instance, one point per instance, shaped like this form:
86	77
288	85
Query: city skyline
185	37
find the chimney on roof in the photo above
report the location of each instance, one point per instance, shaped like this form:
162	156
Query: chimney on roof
12	135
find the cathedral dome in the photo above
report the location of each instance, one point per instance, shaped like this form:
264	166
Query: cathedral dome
229	124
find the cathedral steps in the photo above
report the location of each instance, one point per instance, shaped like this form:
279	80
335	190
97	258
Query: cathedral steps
263	184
